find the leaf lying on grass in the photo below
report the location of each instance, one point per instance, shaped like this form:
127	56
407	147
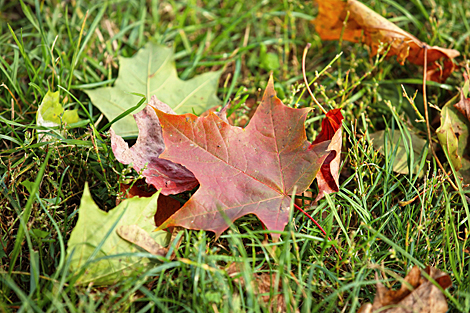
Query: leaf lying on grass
448	136
242	171
50	114
95	237
453	135
151	71
366	26
416	294
170	177
328	176
400	163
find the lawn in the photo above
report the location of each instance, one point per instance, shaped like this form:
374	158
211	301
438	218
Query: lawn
383	221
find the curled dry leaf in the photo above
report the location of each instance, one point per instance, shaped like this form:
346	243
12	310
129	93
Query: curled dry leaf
328	176
163	174
366	26
416	294
253	170
448	137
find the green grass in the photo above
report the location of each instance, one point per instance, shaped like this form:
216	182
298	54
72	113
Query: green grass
71	46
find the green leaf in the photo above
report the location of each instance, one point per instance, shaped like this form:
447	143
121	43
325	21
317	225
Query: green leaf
268	60
50	110
70	117
39	233
50	113
28	185
151	71
96	229
447	135
453	134
400	163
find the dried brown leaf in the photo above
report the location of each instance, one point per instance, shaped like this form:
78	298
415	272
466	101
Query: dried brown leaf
139	237
368	27
416	294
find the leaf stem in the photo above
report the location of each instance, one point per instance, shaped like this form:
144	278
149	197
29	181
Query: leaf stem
318	225
306	81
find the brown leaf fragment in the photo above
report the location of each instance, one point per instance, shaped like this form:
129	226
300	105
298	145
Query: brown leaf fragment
416	294
163	174
262	285
368	27
439	73
139	237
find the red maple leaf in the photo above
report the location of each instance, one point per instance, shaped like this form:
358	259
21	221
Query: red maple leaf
328	177
252	170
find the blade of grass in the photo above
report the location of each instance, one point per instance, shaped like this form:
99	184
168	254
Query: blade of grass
26	213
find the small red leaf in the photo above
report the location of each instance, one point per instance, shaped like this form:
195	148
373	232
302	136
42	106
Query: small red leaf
329	126
328	176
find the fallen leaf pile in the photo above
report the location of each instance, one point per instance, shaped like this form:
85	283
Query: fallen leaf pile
255	170
363	25
417	294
